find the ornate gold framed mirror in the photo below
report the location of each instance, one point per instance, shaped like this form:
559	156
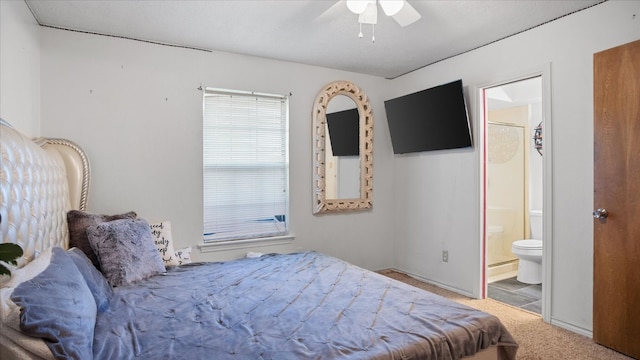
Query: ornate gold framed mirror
342	181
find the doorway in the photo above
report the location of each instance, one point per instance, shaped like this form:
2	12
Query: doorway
513	192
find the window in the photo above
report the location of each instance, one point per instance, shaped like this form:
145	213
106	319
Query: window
245	165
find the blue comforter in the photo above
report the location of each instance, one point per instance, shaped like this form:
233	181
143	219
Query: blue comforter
295	306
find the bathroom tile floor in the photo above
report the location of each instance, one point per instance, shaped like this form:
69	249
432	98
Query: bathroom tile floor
511	291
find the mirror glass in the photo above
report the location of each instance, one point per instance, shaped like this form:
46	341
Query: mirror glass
342	129
342	149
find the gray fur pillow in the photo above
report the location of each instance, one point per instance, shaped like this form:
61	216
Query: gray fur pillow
78	222
126	250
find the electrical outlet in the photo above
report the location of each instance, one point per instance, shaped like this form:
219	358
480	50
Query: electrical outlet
445	255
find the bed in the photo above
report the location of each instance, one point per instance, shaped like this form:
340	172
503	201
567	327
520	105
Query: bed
304	305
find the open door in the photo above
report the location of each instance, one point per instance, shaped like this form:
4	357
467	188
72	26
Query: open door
616	285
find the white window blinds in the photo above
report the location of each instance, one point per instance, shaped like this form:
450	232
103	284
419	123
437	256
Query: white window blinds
245	165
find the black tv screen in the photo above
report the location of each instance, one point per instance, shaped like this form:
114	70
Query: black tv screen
344	132
431	119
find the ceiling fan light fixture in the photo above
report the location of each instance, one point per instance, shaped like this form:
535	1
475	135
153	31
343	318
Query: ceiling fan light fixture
357	6
391	7
367	10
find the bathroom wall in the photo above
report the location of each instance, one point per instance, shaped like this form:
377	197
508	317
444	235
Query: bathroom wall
521	107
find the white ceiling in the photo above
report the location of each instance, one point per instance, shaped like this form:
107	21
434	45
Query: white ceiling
314	32
517	93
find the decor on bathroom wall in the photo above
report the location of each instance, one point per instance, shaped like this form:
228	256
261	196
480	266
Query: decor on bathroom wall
537	138
321	203
503	143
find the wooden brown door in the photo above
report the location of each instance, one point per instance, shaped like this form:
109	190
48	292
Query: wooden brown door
616	287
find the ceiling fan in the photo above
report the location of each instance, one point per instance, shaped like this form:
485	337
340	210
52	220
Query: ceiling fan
400	10
367	10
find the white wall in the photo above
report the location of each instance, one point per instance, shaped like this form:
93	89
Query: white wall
135	109
535	160
19	67
437	194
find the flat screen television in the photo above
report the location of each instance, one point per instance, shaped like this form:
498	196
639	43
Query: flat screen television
431	119
344	132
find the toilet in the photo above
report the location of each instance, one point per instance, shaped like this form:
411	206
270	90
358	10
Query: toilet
529	252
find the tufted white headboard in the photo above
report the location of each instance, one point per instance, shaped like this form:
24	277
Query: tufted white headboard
40	181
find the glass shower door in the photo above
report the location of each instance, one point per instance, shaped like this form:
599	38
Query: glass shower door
506	192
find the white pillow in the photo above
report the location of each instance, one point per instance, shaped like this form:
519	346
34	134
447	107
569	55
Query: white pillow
184	255
161	232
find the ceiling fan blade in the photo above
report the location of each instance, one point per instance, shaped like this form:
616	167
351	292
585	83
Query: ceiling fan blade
391	7
407	15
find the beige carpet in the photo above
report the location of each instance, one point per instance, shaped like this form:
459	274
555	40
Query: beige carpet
537	339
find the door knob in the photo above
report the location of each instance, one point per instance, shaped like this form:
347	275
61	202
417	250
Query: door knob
600	213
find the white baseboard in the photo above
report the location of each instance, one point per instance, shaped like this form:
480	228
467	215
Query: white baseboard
438	284
576	329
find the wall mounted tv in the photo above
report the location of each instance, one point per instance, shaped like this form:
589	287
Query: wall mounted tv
431	119
344	132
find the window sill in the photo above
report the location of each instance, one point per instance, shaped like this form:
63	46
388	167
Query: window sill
246	243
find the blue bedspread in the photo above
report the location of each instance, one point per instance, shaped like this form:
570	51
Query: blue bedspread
296	306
